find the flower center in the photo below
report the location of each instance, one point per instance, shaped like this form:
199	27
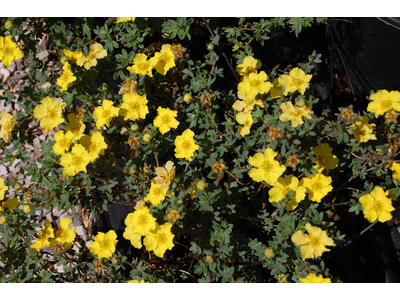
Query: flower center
297	82
361	132
254	83
51	114
386	104
104	244
105	113
314	242
142	220
135	106
285	190
186	145
76	161
378	207
63	142
161	238
8	51
316	186
143	67
165	119
267	166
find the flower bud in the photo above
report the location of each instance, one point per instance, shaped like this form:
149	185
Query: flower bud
147	137
269	253
8	24
201	185
209	259
187	98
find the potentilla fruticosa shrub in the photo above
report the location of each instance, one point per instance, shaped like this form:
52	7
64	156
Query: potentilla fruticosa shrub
224	185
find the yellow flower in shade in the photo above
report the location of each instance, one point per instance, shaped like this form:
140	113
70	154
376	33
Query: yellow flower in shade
133	107
185	145
294	114
156	194
377	205
7	123
163	60
362	131
324	158
94	145
312	278
104	244
141	221
76	161
49	112
105	113
130	86
383	101
312	245
75	126
254	84
64	234
395	167
63	142
141	65
246	105
9	50
125	19
245	119
90	60
73	56
283	186
276	89
3	188
165	119
249	65
147	137
317	186
44	235
9	203
160	239
297	80
137	281
265	167
165	175
66	77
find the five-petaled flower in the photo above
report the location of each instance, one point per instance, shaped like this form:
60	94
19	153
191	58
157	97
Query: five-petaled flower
64	234
104	244
44	235
141	65
324	158
165	119
66	77
185	145
312	245
160	239
297	80
94	145
265	167
133	107
383	101
377	205
76	161
312	278
246	120
362	130
317	186
283	186
165	175
254	84
49	112
63	142
9	50
246	104
249	65
163	60
105	113
75	126
90	60
156	194
141	221
294	114
7	123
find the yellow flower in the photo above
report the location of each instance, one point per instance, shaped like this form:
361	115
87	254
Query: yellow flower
66	77
133	107
377	205
317	186
141	221
9	203
26	208
63	142
384	101
9	51
249	65
125	19
141	65
44	235
104	244
156	194
276	89
362	131
312	245
294	114
8	25
137	281
163	60
185	145
165	175
265	167
283	186
73	56
147	137
75	126
130	86
64	234
187	98
49	113
246	105
312	278
395	167
3	188
159	240
297	80
254	84
324	158
165	119
245	119
90	60
105	113
94	145
75	162
7	123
